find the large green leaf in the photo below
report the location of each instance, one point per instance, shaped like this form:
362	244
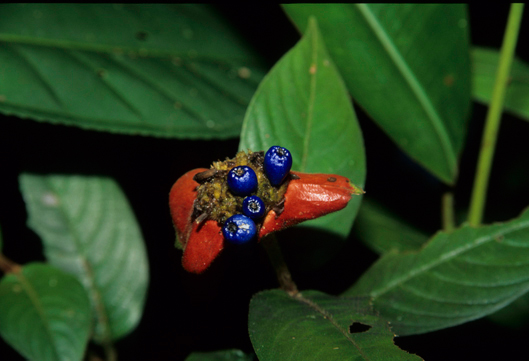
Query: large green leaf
302	104
44	313
225	355
383	231
163	70
484	67
89	230
317	326
455	278
408	66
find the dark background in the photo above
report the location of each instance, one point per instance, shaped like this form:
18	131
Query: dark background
187	313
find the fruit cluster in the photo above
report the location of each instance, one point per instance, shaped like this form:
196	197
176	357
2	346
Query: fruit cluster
239	192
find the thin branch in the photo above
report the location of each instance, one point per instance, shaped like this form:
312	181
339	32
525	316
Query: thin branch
278	263
448	212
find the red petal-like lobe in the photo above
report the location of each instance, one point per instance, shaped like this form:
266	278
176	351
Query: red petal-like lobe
311	196
181	199
201	244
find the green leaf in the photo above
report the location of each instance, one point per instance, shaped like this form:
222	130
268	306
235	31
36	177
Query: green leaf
455	278
484	67
162	70
88	229
225	355
44	313
302	104
317	326
407	66
383	231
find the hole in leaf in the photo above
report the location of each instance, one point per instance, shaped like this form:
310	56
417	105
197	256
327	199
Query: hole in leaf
358	327
141	35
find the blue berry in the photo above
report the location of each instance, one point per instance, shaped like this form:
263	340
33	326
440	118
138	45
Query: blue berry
253	207
239	229
242	180
277	164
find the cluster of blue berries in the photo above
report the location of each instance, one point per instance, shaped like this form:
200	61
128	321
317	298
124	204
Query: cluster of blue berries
242	181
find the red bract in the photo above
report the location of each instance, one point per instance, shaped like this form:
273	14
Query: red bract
308	196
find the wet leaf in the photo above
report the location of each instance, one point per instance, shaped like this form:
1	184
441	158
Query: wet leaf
383	231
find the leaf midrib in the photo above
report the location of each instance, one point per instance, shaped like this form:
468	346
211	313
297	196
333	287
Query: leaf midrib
34	299
110	49
312	94
95	293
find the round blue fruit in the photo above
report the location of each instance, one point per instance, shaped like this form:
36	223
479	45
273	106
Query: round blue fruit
253	207
242	180
277	164
239	229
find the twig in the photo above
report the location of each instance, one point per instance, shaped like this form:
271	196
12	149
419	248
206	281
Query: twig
278	263
448	212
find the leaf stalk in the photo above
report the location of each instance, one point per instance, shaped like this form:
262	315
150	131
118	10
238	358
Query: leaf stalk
278	263
448	212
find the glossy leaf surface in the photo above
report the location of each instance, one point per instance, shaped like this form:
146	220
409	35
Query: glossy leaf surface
383	231
88	229
319	327
303	105
44	313
151	69
455	278
407	66
484	67
225	355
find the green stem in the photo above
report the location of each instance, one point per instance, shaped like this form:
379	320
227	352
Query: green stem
492	122
278	263
448	212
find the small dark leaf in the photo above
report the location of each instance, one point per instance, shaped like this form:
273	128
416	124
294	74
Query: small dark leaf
383	231
484	67
225	355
